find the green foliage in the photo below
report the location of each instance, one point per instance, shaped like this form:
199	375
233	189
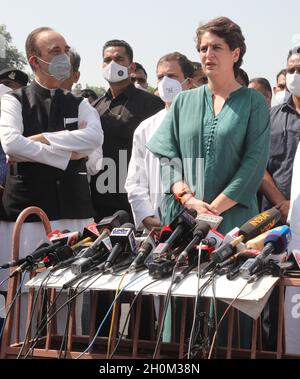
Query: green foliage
13	58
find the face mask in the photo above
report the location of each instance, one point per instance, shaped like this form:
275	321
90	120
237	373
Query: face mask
279	97
168	88
293	84
59	67
138	86
115	72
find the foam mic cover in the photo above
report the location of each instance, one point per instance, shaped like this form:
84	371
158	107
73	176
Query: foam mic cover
260	224
165	233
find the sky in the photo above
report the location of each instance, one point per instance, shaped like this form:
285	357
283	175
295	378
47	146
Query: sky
155	28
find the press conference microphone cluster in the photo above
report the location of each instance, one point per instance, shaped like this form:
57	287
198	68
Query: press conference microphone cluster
181	227
251	229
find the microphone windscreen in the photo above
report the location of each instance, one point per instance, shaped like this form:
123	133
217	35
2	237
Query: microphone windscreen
260	223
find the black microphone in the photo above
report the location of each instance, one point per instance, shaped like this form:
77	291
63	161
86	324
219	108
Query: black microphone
121	238
13	263
35	256
183	223
184	273
147	246
201	230
61	254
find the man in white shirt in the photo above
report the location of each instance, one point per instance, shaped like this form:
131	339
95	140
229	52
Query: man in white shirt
292	294
39	131
174	72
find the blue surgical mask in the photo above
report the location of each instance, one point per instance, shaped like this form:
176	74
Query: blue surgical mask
59	67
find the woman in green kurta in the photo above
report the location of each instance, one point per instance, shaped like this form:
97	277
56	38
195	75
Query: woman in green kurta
214	141
225	124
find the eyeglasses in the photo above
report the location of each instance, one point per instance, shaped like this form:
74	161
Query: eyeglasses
139	80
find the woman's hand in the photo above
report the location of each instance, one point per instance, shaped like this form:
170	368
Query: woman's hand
200	206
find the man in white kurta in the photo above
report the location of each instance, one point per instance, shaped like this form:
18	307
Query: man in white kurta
34	144
174	72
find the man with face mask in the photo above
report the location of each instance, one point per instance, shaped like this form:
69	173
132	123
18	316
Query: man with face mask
139	77
122	109
174	72
280	91
40	133
276	184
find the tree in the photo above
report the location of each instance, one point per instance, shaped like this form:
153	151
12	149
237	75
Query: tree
9	54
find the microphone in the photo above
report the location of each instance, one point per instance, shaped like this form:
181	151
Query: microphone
165	233
35	256
201	230
107	225
183	223
276	242
147	246
250	253
252	228
121	238
13	263
61	254
65	237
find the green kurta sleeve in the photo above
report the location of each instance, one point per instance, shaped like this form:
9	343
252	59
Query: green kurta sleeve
248	177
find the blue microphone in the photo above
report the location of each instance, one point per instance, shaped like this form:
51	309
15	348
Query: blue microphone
275	242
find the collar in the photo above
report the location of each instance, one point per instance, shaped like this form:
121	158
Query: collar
129	90
288	104
44	91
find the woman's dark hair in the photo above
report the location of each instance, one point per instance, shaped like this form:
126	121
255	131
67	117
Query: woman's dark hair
224	28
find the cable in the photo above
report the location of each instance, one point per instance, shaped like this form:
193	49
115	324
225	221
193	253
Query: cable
4	280
107	314
18	292
166	304
128	314
196	303
113	315
47	277
222	318
49	317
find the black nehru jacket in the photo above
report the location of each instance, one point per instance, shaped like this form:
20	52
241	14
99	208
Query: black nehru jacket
120	117
62	194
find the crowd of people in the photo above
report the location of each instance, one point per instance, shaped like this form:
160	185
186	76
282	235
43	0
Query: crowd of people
207	138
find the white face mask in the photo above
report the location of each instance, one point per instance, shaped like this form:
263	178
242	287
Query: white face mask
138	86
168	88
115	72
293	84
279	97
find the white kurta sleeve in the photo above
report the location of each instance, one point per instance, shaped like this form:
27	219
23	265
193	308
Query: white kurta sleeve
83	141
94	162
137	182
23	149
